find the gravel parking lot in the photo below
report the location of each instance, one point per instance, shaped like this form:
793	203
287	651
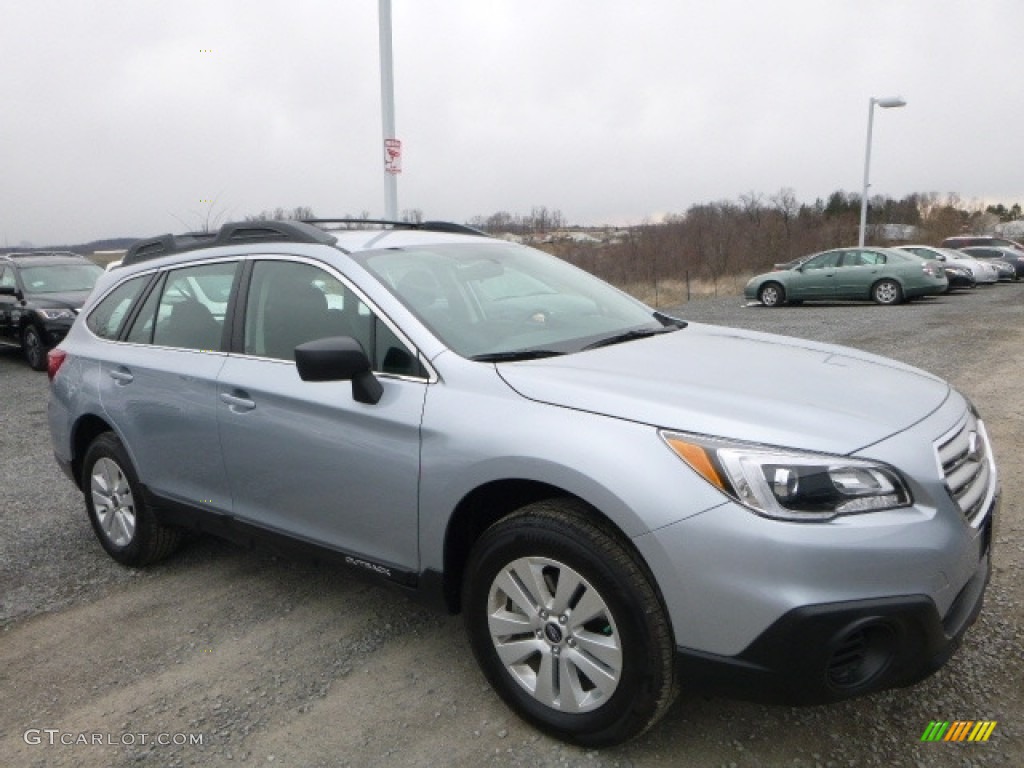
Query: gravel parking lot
271	662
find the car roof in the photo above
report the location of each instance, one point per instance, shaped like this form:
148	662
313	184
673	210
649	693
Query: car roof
989	247
43	258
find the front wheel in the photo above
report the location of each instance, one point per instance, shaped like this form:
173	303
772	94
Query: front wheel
567	627
887	292
123	523
772	295
34	348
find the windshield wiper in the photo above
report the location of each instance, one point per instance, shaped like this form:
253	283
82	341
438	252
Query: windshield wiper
515	354
630	336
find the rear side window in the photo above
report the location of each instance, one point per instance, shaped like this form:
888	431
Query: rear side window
188	310
106	318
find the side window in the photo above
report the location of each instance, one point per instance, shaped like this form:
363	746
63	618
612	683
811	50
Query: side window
192	306
824	260
7	277
106	318
291	303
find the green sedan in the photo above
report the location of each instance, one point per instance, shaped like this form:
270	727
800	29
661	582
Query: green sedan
884	275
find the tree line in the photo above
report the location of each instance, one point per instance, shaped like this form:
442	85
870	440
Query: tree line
710	241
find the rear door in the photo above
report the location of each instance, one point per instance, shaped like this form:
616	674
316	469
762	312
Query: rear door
304	458
160	385
857	272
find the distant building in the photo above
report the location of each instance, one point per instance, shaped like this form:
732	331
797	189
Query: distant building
1012	229
903	233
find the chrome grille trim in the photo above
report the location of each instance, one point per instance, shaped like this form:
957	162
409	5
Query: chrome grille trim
965	463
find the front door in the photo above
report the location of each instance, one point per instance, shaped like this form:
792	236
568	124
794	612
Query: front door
304	458
816	278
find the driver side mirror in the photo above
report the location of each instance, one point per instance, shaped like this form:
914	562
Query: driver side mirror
8	290
339	358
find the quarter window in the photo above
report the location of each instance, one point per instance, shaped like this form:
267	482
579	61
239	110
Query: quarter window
108	316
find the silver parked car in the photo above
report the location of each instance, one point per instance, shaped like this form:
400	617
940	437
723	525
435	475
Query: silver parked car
610	498
984	272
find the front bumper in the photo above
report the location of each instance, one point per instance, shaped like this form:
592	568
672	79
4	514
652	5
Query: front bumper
818	654
54	331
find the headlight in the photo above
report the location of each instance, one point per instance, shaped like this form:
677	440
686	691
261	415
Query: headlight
791	485
55	314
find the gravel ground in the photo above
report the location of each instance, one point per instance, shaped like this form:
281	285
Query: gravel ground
272	662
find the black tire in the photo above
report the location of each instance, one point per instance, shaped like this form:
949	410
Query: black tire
887	292
34	348
123	523
772	295
612	696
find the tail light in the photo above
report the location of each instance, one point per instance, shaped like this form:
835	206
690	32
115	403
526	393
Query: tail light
54	360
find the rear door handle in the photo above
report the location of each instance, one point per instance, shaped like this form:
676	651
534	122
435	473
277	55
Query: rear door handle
238	403
122	376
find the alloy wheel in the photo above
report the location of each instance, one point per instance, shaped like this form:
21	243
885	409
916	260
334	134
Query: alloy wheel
113	501
555	634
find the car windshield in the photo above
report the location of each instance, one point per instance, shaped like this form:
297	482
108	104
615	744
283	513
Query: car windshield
60	278
500	300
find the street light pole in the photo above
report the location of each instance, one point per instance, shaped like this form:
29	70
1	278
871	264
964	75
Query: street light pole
886	103
392	147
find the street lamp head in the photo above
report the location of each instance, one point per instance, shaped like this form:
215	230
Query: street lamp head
890	102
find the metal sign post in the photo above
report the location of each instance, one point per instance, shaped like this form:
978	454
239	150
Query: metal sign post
392	146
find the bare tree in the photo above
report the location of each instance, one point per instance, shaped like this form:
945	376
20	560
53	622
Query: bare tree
205	219
298	213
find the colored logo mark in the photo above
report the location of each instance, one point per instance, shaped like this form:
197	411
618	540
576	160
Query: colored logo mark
959	730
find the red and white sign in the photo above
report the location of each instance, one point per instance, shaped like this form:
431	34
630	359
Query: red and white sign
392	155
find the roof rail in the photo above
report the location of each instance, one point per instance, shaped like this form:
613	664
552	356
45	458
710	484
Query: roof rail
230	234
427	226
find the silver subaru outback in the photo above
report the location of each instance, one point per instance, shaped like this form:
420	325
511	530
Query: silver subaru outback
618	502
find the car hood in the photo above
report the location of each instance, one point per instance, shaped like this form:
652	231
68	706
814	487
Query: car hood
66	300
741	385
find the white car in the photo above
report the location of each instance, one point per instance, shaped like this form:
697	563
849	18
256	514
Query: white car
984	273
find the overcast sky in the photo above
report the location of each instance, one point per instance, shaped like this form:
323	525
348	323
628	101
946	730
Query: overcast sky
121	117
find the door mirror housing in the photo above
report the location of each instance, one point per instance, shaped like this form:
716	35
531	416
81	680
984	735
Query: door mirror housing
8	290
339	358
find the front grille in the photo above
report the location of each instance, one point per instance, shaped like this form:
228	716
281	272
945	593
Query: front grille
967	468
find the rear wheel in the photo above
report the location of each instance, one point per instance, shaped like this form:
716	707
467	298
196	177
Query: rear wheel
567	627
887	292
772	295
123	523
34	348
